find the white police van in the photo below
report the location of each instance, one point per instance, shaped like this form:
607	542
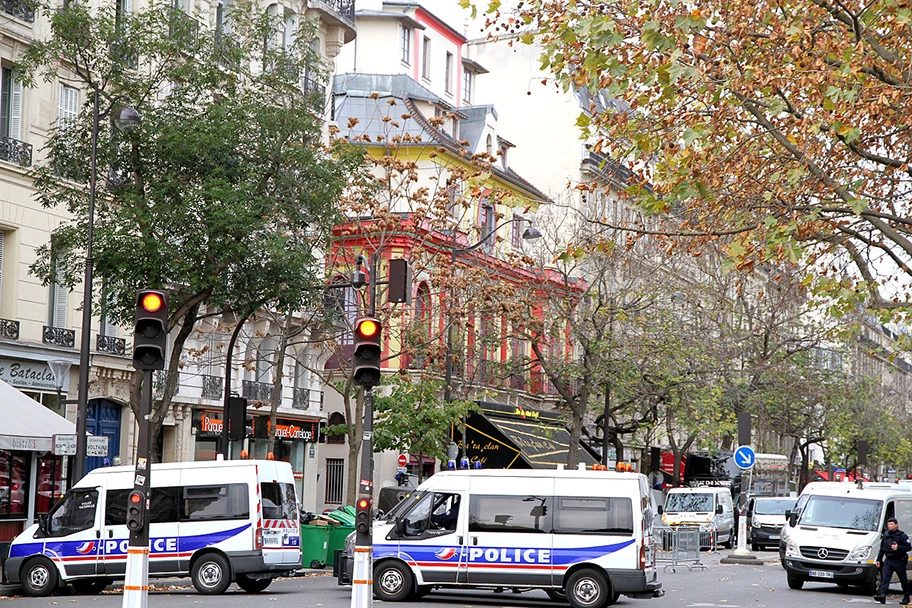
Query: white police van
582	536
216	522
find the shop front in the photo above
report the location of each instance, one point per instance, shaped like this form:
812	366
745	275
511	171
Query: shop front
295	443
31	476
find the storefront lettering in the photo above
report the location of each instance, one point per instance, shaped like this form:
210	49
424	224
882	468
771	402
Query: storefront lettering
210	425
526	413
21	443
290	431
29	375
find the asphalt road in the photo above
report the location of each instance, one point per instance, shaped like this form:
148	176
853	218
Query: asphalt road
718	586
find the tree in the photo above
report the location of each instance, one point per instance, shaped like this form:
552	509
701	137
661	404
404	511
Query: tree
779	127
414	419
222	197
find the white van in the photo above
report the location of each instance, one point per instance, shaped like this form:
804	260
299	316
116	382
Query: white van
582	536
216	522
710	508
834	533
765	518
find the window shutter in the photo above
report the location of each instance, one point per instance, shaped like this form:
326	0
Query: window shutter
15	109
126	6
2	238
60	296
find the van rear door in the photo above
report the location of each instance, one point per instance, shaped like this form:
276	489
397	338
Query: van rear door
281	535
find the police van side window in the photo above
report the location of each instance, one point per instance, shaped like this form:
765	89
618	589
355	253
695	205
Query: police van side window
163	508
206	503
593	516
510	514
74	514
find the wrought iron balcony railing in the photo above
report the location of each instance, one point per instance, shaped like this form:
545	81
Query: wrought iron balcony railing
226	50
256	391
20	9
15	151
9	329
183	28
158	383
213	387
343	8
307	399
110	344
59	336
316	92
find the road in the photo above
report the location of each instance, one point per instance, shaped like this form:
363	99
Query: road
718	586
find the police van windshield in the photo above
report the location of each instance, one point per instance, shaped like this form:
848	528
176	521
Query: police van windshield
842	512
676	503
399	507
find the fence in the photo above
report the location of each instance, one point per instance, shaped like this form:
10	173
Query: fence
680	546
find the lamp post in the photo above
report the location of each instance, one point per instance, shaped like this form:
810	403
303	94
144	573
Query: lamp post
529	234
125	119
60	368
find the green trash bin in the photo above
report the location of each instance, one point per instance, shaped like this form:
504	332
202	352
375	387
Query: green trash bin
337	536
314	545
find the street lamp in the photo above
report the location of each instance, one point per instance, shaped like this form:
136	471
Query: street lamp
60	368
125	119
529	234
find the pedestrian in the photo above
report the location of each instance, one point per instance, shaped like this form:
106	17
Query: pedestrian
894	553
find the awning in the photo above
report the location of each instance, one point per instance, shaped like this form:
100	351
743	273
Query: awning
515	438
28	425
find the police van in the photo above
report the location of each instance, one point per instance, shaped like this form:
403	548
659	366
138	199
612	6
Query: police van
582	536
217	522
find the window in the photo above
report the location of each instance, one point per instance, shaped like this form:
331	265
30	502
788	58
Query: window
67	106
486	224
448	77
75	513
433	511
108	327
279	501
207	503
335	480
426	59
10	106
14	476
467	86
510	514
335	419
489	145
164	506
593	516
223	17
57	296
405	45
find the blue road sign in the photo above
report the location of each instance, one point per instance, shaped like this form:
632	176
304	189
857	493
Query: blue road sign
745	457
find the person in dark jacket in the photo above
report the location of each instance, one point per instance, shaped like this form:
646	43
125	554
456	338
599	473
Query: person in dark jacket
894	553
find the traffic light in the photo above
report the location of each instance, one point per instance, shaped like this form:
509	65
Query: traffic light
237	418
150	337
363	515
136	509
366	356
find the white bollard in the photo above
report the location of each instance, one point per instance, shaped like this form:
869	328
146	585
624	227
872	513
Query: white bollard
362	578
136	580
742	536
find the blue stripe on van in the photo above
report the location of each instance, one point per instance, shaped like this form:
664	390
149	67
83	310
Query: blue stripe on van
443	555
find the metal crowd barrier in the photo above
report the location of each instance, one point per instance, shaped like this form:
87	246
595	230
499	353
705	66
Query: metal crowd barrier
680	546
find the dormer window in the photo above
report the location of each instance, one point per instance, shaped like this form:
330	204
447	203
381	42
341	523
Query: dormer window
489	145
503	156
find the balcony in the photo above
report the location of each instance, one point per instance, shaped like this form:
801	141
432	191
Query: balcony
213	387
15	151
20	9
316	92
9	329
59	336
257	391
227	50
306	399
183	29
158	383
340	10
111	345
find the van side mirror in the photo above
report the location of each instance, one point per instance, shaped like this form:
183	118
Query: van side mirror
788	514
660	510
42	522
793	520
719	509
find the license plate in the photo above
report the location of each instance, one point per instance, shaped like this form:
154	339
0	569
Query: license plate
821	573
774	537
272	541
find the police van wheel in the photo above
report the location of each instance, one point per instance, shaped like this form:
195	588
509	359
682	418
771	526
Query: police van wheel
211	574
89	586
557	595
392	582
589	588
252	585
39	578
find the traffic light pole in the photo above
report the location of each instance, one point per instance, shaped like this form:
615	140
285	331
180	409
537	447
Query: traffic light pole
136	582
362	574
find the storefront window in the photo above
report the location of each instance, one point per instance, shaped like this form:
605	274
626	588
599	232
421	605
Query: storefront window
14	470
50	482
206	449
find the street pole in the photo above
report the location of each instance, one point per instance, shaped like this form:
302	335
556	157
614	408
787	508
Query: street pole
82	405
363	569
225	440
136	581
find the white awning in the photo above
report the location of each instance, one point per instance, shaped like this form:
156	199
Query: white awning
27	425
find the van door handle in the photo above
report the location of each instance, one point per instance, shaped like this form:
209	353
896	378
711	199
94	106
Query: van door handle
97	533
110	533
474	540
458	540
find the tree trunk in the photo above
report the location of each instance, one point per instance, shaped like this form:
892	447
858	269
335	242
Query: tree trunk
276	400
618	447
576	427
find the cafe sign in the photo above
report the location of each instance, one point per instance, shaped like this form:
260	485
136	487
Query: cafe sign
30	374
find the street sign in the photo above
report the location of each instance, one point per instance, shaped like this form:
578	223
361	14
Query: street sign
96	445
745	457
64	445
402	460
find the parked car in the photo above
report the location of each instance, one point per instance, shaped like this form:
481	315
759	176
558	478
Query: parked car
765	518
